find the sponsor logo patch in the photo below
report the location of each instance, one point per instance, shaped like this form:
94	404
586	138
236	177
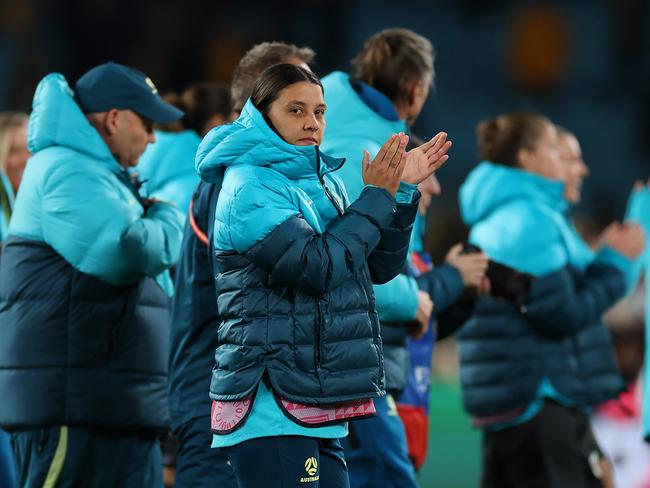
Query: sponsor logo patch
311	467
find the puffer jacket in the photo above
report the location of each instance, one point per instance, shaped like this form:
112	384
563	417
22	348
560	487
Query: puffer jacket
295	267
84	324
520	219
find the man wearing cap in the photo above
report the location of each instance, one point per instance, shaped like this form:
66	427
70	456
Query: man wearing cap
84	288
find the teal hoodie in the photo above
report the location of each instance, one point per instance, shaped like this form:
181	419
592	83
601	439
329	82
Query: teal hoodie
167	167
353	126
520	219
76	198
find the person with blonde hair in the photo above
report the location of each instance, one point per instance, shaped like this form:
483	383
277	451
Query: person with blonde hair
13	158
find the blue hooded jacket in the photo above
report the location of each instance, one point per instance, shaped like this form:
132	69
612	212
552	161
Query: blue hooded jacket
294	267
84	324
639	211
167	167
520	219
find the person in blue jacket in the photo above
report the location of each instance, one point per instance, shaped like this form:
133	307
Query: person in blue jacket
531	364
393	75
300	347
194	314
167	166
83	308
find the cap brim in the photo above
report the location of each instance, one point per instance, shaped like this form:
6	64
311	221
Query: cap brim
160	111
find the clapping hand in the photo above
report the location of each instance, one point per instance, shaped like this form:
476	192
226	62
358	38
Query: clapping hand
424	160
387	167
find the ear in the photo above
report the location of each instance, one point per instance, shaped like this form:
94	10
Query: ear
112	121
523	158
414	92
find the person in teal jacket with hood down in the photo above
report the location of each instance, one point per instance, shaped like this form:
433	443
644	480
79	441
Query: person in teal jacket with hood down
299	342
532	364
84	289
167	166
393	75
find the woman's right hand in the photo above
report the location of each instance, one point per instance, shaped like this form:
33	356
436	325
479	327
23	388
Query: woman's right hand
628	239
386	169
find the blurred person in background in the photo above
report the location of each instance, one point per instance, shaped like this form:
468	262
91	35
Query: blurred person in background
256	60
167	166
446	285
531	366
617	423
392	77
13	158
84	286
288	245
194	309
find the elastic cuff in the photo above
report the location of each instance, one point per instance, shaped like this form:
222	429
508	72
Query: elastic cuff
405	192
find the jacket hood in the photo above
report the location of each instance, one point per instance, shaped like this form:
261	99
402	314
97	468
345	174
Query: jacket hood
490	186
57	120
250	140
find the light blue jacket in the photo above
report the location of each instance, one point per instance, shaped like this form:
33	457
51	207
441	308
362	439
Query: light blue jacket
520	219
557	347
76	198
167	167
639	211
353	126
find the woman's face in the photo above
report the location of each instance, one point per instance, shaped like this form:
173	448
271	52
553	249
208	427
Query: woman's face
575	169
544	158
17	157
298	114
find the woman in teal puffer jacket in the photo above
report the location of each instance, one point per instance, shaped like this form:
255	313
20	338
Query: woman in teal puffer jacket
531	366
300	350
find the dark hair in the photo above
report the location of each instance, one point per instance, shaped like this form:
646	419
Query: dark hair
277	78
501	138
392	60
255	61
200	102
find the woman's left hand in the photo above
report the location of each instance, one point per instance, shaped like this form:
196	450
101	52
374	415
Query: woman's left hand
424	160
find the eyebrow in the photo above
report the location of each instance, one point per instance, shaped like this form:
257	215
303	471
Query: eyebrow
298	102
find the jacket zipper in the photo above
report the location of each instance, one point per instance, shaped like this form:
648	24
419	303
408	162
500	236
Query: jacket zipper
321	178
319	319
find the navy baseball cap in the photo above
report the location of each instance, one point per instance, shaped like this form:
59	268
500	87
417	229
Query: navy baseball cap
112	85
